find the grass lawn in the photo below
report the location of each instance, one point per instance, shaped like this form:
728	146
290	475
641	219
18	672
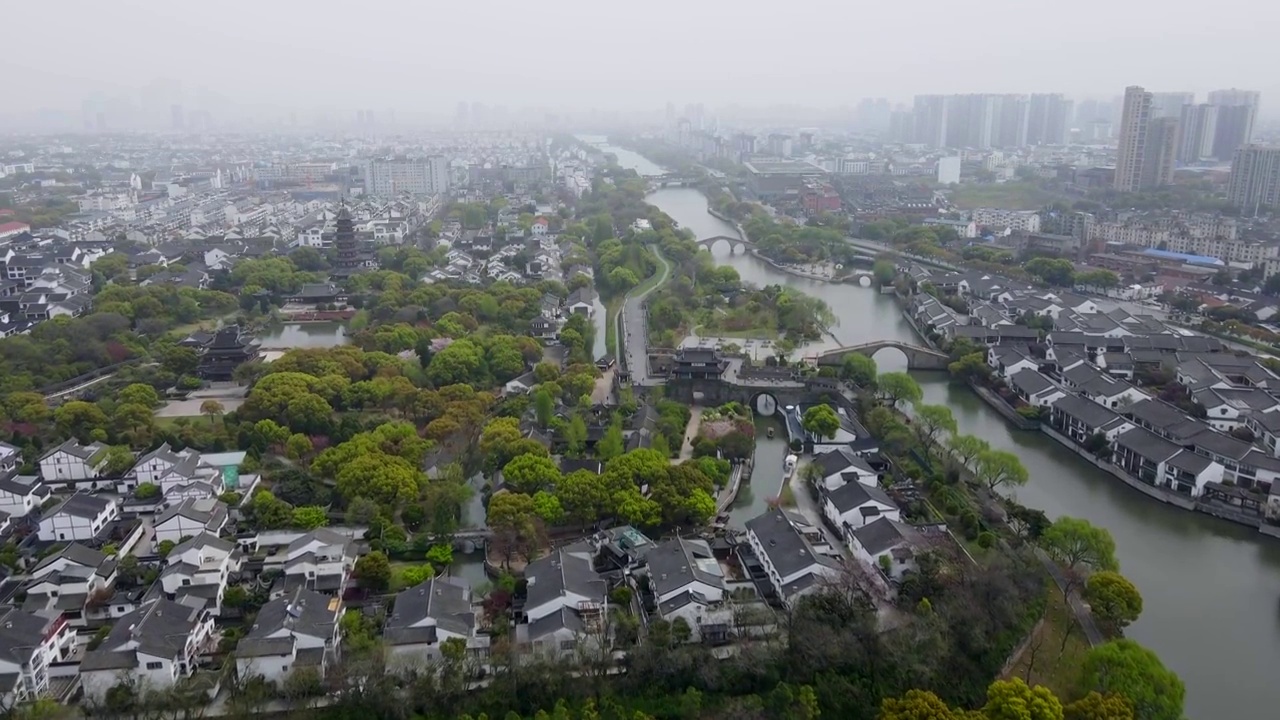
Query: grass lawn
611	309
1007	196
1046	661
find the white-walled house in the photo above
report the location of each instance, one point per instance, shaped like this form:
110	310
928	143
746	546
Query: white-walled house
854	505
73	463
66	580
841	465
688	583
153	646
79	517
427	615
1034	388
794	567
20	494
29	644
1007	360
321	560
567	603
887	538
190	517
297	631
197	571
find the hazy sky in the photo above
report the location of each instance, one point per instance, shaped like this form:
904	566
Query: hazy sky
426	55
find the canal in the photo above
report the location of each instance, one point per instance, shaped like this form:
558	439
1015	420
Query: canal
1211	589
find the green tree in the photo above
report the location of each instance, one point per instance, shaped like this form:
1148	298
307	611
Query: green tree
968	447
611	445
361	510
79	418
373	571
119	461
583	496
821	420
298	446
1125	668
417	574
1014	700
386	479
544	407
1096	706
859	369
270	512
139	393
932	420
1079	547
547	507
884	271
133	416
1052	271
896	387
146	491
309	517
530	473
917	705
212	408
1114	600
995	468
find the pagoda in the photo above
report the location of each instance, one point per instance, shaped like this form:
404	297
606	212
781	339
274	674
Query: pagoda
230	348
346	245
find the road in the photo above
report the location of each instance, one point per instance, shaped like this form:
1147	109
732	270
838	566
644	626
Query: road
633	324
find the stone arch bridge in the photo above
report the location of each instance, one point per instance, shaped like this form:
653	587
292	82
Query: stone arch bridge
737	246
918	358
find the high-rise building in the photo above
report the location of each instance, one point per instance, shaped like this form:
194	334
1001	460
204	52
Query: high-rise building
1134	119
1198	126
177	117
873	114
1012	121
1160	155
1255	179
1237	110
1133	139
901	126
1049	119
929	115
1169	104
972	120
416	176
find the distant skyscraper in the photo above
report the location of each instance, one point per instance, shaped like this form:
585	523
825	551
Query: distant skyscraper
1135	118
1237	110
1012	121
1160	156
462	115
1255	179
929	115
177	118
1198	126
1169	104
972	120
1049	119
901	126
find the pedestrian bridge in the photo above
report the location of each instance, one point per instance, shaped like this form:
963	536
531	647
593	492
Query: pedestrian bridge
737	246
918	357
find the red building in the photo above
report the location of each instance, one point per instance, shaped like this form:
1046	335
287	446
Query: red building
819	197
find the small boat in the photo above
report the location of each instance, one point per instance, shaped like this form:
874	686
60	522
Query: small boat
770	433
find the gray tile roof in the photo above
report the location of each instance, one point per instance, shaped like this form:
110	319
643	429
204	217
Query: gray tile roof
884	534
680	561
81	505
161	628
446	600
567	569
302	611
1147	444
787	549
853	495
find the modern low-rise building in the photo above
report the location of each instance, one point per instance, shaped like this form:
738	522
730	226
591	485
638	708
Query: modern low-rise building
289	633
80	517
427	615
151	648
793	565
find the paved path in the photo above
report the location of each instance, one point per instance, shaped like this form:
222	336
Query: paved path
690	433
809	507
1083	615
632	322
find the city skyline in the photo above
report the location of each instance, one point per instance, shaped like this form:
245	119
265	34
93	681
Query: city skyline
269	60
